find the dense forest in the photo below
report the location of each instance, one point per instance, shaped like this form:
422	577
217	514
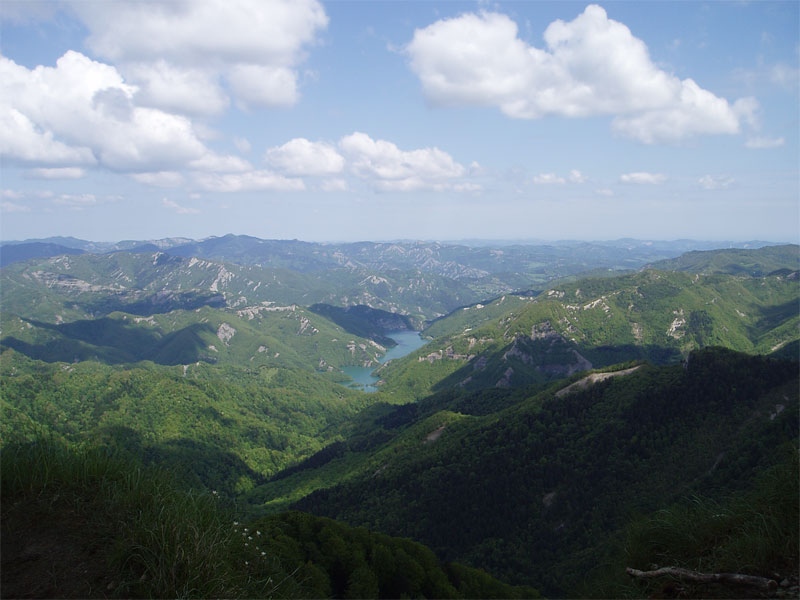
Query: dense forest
185	411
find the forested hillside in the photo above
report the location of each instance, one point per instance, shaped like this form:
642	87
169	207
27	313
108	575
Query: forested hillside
532	435
735	261
228	427
651	315
533	492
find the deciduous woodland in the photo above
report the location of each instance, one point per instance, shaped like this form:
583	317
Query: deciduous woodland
179	423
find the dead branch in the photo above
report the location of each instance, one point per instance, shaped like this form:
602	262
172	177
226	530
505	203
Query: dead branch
762	583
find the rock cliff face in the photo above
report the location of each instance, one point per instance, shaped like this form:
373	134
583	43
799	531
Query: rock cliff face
547	351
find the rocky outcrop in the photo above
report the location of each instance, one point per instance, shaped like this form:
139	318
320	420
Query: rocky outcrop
225	333
547	351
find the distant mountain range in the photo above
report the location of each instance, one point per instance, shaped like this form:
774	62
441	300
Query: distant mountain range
514	264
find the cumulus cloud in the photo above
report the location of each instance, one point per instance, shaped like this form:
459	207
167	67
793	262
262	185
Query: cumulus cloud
697	111
181	210
643	178
22	141
302	157
57	173
709	182
389	168
95	121
591	65
548	179
263	86
249	181
761	143
188	90
256	45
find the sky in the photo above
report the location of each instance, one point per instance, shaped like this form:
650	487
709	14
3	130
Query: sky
345	121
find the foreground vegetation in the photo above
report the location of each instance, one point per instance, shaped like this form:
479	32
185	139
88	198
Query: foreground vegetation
753	533
81	522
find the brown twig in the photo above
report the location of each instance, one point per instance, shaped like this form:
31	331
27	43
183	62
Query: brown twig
762	583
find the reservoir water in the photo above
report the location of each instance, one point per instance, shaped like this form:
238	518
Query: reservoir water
407	342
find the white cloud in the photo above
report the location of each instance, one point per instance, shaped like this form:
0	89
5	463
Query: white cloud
250	181
709	182
548	179
643	178
189	90
592	65
181	210
604	192
760	143
263	86
391	169
697	112
576	176
255	44
159	178
302	157
94	120
22	141
58	173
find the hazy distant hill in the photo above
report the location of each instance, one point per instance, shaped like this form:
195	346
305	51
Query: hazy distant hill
12	253
70	287
101	247
735	261
488	270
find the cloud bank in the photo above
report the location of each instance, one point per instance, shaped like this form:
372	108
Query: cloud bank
590	66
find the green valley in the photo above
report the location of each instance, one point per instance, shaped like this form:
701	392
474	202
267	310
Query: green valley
534	439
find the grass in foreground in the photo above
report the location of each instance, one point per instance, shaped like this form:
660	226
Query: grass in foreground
754	533
85	523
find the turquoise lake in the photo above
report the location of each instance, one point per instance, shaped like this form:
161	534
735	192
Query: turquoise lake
407	342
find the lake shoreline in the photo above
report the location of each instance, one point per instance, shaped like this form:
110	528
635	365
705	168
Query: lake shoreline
363	378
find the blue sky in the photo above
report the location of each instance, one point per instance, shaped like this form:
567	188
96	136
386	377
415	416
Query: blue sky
386	120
